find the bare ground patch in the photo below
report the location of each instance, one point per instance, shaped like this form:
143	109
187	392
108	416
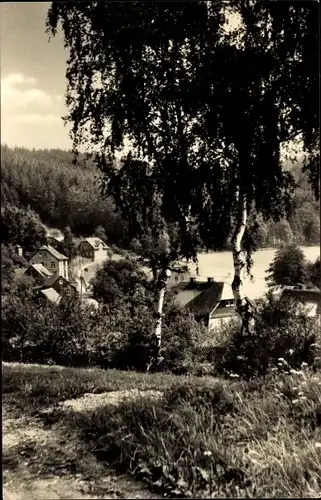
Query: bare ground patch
48	461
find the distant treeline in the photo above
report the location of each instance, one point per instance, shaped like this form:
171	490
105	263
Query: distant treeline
64	194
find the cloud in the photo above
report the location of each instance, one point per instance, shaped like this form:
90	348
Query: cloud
17	79
35	118
15	93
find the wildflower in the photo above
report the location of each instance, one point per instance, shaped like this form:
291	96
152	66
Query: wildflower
207	453
234	375
317	445
273	369
294	401
291	351
304	364
303	398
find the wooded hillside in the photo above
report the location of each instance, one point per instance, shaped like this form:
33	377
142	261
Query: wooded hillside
66	194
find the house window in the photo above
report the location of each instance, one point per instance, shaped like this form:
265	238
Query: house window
52	264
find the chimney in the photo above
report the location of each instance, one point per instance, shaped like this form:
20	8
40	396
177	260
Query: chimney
19	250
192	280
210	280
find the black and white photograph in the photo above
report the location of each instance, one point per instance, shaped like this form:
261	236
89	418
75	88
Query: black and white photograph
160	249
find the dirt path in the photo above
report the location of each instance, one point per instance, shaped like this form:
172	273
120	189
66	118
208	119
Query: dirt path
41	462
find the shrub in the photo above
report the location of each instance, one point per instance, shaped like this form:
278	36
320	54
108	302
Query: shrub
283	330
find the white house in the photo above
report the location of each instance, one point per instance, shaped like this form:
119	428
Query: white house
93	248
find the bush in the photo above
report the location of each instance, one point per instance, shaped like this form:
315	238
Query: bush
122	338
42	332
283	330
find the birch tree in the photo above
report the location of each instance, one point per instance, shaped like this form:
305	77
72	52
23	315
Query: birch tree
202	111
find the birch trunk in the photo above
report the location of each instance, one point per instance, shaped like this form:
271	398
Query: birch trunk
239	261
160	305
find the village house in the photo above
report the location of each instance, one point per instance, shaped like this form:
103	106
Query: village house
210	301
38	273
52	260
59	284
93	249
309	298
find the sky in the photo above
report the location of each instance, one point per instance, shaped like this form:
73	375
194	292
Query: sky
32	79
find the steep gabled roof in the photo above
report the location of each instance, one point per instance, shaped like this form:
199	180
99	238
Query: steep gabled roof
205	296
205	302
41	270
54	252
52	280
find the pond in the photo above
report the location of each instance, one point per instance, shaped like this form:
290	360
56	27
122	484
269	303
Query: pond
219	265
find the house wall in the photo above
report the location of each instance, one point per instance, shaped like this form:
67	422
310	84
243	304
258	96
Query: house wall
50	262
47	260
87	250
100	254
66	269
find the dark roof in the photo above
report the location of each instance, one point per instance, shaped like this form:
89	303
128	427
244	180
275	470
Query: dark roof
189	285
205	302
208	297
54	252
51	280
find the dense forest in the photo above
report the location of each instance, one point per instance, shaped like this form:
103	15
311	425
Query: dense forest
61	193
65	194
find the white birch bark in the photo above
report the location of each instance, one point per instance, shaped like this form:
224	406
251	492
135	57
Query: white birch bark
160	305
239	261
161	285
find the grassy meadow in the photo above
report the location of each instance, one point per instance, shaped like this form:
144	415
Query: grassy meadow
203	438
